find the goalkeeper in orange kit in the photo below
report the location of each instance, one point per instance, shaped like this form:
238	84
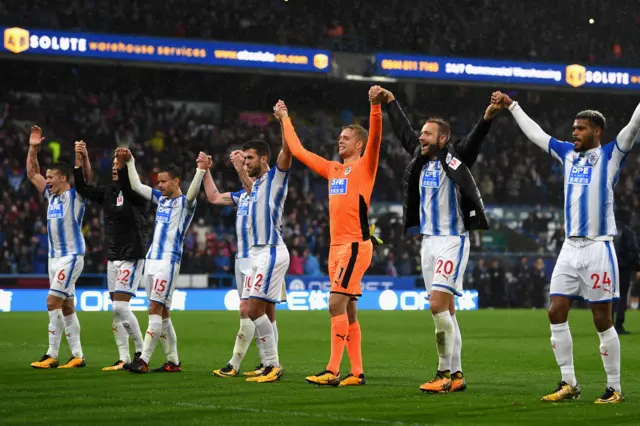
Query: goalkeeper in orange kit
350	186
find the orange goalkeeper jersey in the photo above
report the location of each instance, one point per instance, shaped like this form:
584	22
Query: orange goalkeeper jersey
350	184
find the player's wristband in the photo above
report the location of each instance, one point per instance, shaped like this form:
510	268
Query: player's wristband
513	105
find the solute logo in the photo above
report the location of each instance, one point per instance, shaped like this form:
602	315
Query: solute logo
320	61
576	75
16	40
5	300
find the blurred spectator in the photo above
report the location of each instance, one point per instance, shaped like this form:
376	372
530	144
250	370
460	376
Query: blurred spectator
538	290
296	263
311	264
497	284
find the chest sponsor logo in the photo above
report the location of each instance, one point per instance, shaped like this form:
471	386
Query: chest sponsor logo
243	207
580	175
338	186
163	214
56	210
431	179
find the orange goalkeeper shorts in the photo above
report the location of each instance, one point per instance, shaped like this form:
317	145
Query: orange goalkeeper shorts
347	265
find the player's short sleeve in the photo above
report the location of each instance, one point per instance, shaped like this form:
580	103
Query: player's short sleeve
559	150
279	177
235	196
47	192
155	195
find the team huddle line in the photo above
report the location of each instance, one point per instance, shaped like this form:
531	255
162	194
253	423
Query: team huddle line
441	198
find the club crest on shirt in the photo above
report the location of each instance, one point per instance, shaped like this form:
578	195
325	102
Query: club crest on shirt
119	200
63	198
592	158
346	172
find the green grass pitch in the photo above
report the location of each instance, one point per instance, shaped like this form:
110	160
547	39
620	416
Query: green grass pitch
506	356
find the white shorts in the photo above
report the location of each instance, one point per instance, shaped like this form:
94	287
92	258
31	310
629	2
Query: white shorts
243	277
444	260
63	274
160	279
587	270
124	276
269	267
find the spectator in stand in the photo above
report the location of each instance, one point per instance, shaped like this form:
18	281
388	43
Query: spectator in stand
538	284
480	282
296	263
311	264
522	274
497	284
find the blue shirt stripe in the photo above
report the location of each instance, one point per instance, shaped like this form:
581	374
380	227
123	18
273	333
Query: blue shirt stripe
453	209
583	213
567	210
435	211
267	207
277	211
77	232
50	238
63	237
602	194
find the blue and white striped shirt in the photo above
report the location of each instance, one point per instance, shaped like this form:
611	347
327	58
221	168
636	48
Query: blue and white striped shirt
440	212
173	218
589	179
64	223
589	176
241	200
266	206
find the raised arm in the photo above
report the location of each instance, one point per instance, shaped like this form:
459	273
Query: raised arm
129	179
400	124
628	134
529	127
372	150
33	168
194	188
88	191
237	159
285	156
469	147
91	192
81	148
309	159
214	196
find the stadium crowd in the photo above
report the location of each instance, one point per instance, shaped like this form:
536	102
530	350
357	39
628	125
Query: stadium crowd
512	30
510	169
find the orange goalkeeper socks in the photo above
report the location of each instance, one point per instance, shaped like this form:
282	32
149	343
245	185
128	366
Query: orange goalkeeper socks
339	333
354	349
